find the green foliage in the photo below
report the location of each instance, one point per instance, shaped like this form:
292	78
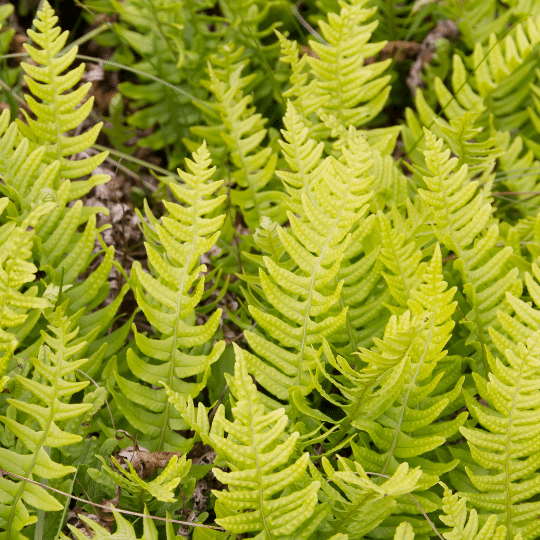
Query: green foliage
338	303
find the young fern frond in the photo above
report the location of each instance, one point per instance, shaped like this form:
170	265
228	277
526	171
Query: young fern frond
39	427
253	167
357	92
180	348
303	289
359	504
267	496
304	95
462	217
496	83
465	142
124	529
161	488
57	111
401	256
363	292
466	525
428	391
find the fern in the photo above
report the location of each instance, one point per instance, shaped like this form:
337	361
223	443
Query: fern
357	92
303	289
359	504
124	529
243	133
506	448
56	111
497	80
178	349
303	156
16	271
39	427
264	473
461	218
161	488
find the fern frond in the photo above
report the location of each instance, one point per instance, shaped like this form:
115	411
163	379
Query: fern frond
303	289
17	270
303	95
161	488
412	392
462	217
263	472
243	133
57	112
506	447
303	156
401	256
359	505
124	529
357	92
38	427
180	348
497	80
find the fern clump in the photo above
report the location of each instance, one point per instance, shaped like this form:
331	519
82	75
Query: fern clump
327	321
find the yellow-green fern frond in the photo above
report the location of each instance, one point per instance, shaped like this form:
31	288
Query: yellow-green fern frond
462	215
302	290
363	293
262	496
357	92
58	112
180	348
303	156
271	493
304	95
359	504
124	529
466	525
161	488
497	81
418	419
38	427
19	310
525	321
401	256
506	445
253	167
464	139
